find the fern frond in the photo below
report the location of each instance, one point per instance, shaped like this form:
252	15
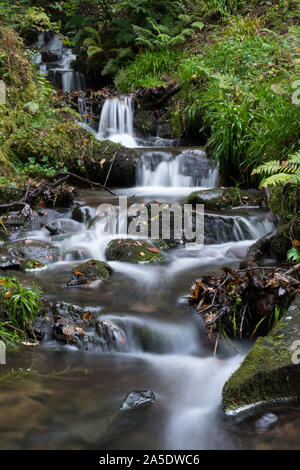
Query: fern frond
281	178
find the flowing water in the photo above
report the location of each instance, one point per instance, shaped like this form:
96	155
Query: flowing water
73	399
55	61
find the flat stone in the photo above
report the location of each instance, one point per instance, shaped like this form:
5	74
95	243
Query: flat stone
138	399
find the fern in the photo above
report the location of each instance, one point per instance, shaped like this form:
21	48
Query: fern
284	172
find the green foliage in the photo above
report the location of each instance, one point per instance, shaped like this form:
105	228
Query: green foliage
21	303
237	93
157	36
278	172
93	41
148	69
293	255
19	306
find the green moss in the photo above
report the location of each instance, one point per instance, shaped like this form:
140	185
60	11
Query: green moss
133	251
94	269
217	199
267	372
32	265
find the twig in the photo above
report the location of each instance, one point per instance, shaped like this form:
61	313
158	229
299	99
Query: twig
219	288
222	312
25	197
293	270
242	321
217	341
208	308
252	268
111	164
92	183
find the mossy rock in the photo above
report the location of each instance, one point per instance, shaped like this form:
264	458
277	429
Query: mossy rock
68	145
145	122
268	372
133	251
224	198
281	242
91	270
32	265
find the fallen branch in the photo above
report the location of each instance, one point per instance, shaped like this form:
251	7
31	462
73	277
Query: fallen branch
91	183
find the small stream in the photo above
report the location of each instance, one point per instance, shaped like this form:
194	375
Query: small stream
164	348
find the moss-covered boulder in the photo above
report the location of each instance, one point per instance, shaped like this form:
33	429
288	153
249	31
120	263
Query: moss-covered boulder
145	122
133	251
91	270
271	370
224	198
67	146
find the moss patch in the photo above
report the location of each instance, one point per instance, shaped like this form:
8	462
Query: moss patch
133	251
217	199
92	270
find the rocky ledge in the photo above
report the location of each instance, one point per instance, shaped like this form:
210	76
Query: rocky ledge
271	370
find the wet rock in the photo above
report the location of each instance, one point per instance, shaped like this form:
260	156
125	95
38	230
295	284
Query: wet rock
30	249
145	123
120	160
133	251
65	332
7	261
271	370
42	326
77	214
92	270
275	244
82	214
138	399
82	327
225	198
62	226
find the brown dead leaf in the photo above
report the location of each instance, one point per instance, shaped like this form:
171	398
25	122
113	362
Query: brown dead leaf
78	273
153	250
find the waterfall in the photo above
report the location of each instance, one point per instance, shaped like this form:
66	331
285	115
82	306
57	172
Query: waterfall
55	61
116	121
189	169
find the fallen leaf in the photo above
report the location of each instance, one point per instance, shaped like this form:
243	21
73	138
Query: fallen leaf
153	250
78	273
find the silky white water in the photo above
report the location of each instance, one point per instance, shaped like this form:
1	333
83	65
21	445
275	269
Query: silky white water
116	121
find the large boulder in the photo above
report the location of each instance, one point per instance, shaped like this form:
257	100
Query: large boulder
224	198
133	251
31	249
271	370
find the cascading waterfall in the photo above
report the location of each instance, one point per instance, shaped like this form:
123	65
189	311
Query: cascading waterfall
116	121
58	68
188	169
